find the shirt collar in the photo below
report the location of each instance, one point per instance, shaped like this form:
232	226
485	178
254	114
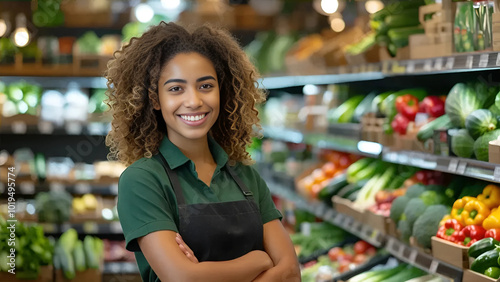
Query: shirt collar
176	158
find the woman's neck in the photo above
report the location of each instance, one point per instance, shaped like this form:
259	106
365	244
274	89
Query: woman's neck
196	150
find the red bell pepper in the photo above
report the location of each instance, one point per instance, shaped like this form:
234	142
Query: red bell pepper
471	234
433	106
400	124
493	233
450	230
407	105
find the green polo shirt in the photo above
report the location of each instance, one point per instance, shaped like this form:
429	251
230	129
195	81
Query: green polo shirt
147	203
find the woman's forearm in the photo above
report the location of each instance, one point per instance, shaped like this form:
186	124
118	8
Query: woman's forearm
286	270
244	268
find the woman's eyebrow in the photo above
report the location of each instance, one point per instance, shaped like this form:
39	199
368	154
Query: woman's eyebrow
203	78
175	80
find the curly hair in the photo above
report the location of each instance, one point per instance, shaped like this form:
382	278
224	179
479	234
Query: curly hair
132	80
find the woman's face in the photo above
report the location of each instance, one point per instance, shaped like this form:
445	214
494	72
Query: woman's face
189	97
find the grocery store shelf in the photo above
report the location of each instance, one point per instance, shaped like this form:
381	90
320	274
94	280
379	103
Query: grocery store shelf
89	227
454	165
397	248
56	77
120	268
323	140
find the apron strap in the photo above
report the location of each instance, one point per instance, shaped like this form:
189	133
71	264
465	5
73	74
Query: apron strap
174	180
248	194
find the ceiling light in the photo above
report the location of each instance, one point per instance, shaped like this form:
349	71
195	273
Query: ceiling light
373	6
170	4
337	24
144	13
329	6
21	36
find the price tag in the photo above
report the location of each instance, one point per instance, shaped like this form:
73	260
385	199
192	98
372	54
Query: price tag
434	266
65	226
401	250
49	228
57	186
428	65
413	256
27	187
82	188
385	66
469	61
496	174
483	60
461	167
19	127
452	167
90	227
113	189
438	65
338	219
410	68
45	127
329	215
356	226
450	62
498	60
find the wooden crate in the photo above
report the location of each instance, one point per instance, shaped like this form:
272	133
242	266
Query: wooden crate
45	275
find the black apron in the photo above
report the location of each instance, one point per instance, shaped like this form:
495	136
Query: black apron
218	231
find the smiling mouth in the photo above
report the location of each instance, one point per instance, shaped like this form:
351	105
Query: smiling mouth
193	117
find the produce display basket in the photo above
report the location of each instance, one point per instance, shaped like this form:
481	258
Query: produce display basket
450	252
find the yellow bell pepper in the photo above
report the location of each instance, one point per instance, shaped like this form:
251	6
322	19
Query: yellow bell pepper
493	220
475	212
458	207
490	196
445	218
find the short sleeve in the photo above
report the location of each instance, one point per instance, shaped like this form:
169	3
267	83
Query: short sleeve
143	206
268	210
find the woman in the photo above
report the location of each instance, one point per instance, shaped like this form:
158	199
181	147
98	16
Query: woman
191	207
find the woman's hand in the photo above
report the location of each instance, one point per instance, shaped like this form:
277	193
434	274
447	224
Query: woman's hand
185	248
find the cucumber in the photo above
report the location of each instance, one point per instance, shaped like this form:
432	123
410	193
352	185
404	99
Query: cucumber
427	130
79	256
351	188
90	256
337	183
67	263
399	36
485	260
403	19
482	246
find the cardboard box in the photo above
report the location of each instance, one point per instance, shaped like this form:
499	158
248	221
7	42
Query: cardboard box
94	275
422	47
451	253
347	207
494	152
472	276
45	275
378	222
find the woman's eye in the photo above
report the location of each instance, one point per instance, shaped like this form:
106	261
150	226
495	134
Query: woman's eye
206	86
174	89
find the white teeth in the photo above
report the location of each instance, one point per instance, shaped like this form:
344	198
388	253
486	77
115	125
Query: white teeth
193	118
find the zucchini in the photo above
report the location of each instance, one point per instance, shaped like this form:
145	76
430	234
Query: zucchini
427	130
354	187
403	19
482	246
66	261
79	256
89	249
485	260
399	36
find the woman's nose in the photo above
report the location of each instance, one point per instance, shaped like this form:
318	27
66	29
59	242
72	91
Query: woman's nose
193	99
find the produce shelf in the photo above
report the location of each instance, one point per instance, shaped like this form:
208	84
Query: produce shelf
57	77
454	165
89	227
120	268
400	250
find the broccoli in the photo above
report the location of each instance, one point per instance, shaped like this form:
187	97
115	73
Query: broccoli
414	209
398	207
431	197
404	229
427	224
415	190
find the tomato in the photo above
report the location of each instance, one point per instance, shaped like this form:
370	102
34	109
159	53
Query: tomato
334	253
361	246
318	175
371	251
344	266
345	256
329	169
310	263
344	161
359	258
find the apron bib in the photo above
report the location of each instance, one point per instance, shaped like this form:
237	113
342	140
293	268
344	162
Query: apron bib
218	231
